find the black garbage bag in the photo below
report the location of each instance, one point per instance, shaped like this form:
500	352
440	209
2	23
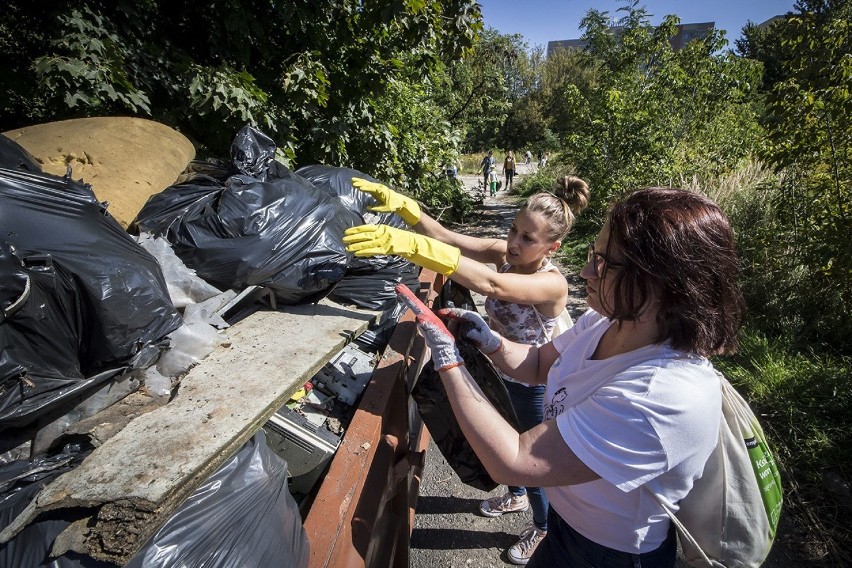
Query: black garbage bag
337	182
70	245
369	282
243	515
434	405
14	157
282	233
40	331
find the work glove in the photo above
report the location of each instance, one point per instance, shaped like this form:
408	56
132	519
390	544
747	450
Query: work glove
442	344
471	326
389	200
372	240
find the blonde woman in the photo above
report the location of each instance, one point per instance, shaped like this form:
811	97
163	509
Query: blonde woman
524	297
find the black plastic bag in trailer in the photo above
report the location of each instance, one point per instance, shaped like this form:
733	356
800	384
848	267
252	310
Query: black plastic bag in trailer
69	245
369	282
283	234
263	226
434	405
337	182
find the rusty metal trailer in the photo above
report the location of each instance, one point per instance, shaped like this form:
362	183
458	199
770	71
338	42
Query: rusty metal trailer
363	513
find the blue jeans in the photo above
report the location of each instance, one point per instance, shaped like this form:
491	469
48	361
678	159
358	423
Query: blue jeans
565	547
527	402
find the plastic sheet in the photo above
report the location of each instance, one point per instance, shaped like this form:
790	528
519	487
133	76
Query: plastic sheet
283	233
243	515
184	285
189	344
434	405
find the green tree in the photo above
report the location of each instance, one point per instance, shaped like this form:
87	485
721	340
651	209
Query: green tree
479	89
641	113
809	142
317	75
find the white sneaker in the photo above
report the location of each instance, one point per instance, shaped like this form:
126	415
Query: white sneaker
521	551
508	503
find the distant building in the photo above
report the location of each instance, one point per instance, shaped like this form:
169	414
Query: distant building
685	34
770	21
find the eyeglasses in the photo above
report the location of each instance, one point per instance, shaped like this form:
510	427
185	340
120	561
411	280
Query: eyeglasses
599	262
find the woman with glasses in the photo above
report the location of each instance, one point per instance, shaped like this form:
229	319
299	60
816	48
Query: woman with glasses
632	405
525	297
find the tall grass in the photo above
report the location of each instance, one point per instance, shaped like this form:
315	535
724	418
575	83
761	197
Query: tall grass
793	365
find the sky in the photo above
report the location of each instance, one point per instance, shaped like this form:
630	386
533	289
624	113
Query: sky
540	21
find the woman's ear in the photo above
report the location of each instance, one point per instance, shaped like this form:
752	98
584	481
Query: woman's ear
554	247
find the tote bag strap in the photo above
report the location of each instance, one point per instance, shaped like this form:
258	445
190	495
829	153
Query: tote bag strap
683	534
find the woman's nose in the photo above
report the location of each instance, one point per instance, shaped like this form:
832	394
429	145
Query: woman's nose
588	271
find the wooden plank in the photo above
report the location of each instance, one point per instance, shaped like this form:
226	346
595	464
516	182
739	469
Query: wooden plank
139	477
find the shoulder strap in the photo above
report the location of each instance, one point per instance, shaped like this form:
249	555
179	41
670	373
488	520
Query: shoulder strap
541	323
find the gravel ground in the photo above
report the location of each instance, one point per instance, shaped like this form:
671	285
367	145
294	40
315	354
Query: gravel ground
448	530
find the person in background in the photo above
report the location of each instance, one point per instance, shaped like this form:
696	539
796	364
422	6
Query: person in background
509	169
452	169
525	296
493	180
527	158
486	166
632	404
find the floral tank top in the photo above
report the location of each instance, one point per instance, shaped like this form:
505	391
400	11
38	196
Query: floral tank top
521	323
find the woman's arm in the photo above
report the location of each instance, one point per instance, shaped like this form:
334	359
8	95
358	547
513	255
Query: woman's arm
483	250
538	457
550	289
527	363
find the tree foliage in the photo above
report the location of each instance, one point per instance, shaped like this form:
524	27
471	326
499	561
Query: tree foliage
636	112
324	78
807	253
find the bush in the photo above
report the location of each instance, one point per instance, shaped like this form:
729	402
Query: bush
446	199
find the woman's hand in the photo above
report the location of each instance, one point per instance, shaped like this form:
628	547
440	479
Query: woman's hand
442	344
471	326
372	240
389	200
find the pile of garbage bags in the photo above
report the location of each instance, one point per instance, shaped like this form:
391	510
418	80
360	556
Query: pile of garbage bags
255	222
81	301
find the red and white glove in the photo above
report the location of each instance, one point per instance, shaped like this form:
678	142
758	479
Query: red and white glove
445	354
471	326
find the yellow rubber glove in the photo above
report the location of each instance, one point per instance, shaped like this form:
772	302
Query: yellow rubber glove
372	240
389	200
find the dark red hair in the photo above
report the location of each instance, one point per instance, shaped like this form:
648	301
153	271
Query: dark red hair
677	247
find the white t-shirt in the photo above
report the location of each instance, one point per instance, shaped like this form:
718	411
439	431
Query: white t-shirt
648	418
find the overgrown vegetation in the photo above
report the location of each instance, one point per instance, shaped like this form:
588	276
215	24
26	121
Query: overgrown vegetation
773	148
398	89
